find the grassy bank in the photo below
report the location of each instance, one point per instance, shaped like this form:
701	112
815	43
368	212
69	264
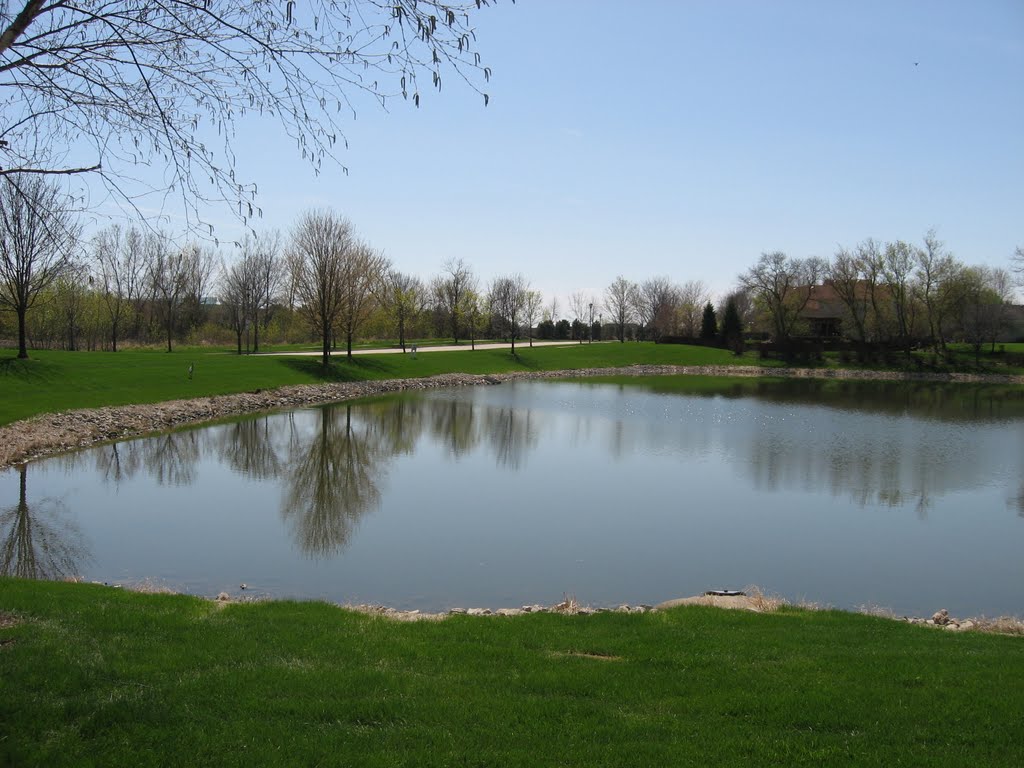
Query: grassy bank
93	675
52	381
57	381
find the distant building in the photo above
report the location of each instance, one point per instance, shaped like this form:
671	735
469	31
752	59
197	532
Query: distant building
824	311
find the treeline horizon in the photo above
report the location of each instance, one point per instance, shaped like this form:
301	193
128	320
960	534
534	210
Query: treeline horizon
322	283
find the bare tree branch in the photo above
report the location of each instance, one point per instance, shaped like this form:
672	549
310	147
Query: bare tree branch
105	86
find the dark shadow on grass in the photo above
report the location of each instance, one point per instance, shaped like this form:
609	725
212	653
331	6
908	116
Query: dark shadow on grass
528	364
359	369
27	370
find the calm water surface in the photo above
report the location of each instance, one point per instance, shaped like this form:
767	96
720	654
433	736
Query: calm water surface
906	497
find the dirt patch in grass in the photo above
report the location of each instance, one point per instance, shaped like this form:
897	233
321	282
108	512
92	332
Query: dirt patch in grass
586	655
8	620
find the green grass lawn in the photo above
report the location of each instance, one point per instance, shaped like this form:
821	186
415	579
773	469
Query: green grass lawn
97	676
52	381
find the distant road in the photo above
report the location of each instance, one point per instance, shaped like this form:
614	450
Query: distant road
445	348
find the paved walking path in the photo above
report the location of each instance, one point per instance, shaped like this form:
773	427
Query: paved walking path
443	348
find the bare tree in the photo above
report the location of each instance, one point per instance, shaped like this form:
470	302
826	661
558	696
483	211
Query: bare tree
361	271
477	315
878	322
897	269
552	310
70	297
935	272
168	273
987	295
656	300
403	296
268	275
619	300
200	265
508	297
533	301
237	292
983	296
121	268
250	285
582	306
321	242
450	289
692	296
578	305
782	287
845	273
106	85
38	233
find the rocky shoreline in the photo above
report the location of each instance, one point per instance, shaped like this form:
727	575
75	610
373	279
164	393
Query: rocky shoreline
751	600
756	603
52	433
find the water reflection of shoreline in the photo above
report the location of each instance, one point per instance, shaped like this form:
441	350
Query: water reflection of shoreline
332	462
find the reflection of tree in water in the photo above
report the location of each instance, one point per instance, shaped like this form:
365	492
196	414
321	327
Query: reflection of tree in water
1017	502
171	458
334	477
332	482
248	447
452	423
36	543
886	473
924	400
119	461
397	424
511	434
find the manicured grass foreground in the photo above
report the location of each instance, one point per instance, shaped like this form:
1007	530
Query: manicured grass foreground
97	676
58	381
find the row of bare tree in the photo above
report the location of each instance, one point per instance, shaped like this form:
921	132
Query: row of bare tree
897	293
322	281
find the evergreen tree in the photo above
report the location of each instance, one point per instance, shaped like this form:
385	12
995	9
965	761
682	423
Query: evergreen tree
732	328
709	323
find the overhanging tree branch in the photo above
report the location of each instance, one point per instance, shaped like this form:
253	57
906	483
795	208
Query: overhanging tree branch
131	83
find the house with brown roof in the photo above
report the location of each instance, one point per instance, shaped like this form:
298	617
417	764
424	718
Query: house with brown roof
824	311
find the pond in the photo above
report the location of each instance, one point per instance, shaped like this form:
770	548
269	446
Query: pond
907	497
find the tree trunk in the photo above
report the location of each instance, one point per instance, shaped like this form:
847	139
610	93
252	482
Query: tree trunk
22	346
348	345
327	349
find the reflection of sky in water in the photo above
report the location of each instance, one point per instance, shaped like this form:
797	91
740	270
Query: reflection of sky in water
519	493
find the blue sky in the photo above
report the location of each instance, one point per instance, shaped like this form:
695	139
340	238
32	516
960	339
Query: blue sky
684	138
